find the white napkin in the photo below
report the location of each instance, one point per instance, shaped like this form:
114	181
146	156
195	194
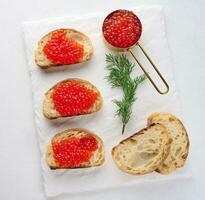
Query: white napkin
104	123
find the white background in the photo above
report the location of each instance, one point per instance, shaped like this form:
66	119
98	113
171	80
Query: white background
19	155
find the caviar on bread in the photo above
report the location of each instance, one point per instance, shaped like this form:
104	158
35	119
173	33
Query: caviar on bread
75	148
71	97
63	47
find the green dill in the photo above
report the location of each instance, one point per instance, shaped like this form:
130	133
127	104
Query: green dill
120	69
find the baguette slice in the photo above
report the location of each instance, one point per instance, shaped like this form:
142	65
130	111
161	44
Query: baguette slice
43	62
49	109
97	158
144	151
180	141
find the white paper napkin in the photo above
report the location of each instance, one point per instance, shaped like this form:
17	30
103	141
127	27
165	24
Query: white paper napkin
104	123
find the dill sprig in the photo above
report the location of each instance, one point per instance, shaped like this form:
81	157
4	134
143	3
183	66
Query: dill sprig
120	69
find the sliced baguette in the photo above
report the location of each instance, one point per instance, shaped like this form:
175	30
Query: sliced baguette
144	151
97	158
49	110
180	141
43	62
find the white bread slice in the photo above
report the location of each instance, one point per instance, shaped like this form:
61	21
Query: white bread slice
180	141
43	62
49	110
142	152
97	158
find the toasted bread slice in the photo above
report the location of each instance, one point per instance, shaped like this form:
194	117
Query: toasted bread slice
43	62
144	151
97	158
50	111
180	141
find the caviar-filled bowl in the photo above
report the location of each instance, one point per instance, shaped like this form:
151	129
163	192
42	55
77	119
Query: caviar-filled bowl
122	30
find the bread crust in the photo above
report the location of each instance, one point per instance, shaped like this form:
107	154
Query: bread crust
74	133
48	106
174	165
43	62
154	167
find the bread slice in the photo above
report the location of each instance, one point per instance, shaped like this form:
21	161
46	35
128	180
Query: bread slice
43	62
180	141
144	151
49	110
97	158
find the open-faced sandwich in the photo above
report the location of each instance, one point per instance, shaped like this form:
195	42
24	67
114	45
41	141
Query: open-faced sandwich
75	148
71	97
63	47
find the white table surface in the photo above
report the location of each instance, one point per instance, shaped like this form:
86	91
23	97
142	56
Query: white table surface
20	176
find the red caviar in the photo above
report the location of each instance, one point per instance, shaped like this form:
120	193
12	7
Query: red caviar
72	98
61	49
122	28
73	151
